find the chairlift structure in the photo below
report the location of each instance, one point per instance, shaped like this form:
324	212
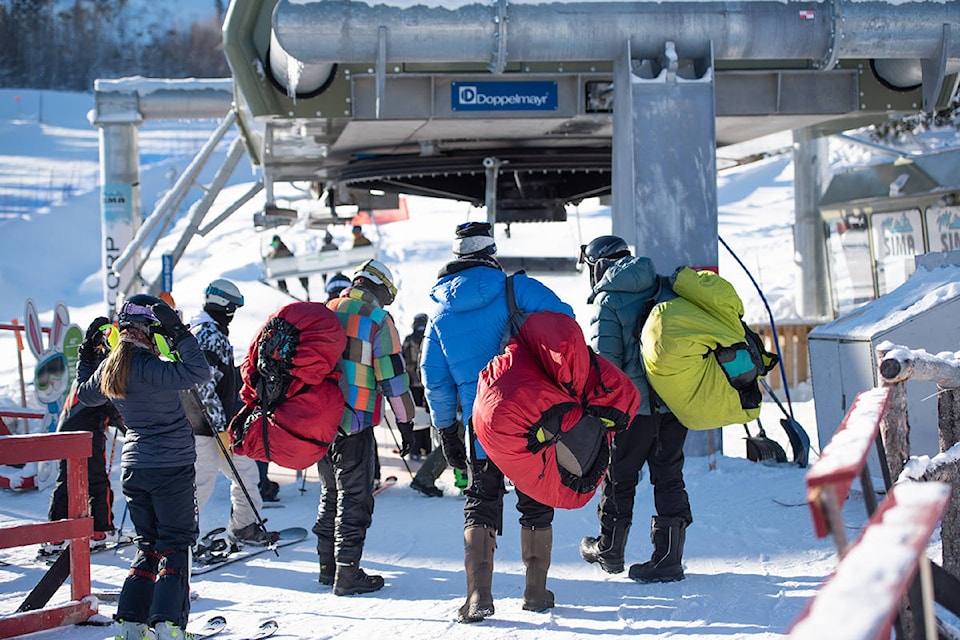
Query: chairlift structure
526	107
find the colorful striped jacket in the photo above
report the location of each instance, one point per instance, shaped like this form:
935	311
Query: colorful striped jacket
372	363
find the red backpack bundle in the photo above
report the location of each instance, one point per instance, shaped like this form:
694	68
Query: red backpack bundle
292	401
547	407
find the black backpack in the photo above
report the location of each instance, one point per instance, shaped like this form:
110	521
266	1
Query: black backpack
744	362
276	349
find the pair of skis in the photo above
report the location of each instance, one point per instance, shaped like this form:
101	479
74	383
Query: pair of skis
218	624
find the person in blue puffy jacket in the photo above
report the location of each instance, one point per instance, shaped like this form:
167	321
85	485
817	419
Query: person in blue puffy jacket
464	333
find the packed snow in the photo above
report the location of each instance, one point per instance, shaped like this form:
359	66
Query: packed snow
752	560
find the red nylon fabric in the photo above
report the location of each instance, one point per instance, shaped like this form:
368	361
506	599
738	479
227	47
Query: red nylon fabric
303	425
547	366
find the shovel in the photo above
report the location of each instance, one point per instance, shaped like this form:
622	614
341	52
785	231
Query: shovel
760	447
799	440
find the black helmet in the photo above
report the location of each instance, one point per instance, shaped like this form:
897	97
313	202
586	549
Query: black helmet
136	312
419	321
602	252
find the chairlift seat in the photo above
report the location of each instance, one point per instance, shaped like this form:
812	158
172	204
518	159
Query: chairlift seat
319	262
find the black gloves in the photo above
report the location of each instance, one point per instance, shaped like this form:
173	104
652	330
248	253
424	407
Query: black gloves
170	322
89	351
406	437
451	442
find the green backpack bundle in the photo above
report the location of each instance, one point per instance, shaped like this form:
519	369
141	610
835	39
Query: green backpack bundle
700	357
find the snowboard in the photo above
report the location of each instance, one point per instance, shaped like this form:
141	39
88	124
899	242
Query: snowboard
289	536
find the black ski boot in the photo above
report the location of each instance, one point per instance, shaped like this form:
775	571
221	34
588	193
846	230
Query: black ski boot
666	564
606	549
328	570
351	579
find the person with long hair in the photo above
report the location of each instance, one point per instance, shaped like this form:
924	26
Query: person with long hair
157	461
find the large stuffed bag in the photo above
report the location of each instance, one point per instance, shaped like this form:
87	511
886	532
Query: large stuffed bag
292	400
678	341
546	409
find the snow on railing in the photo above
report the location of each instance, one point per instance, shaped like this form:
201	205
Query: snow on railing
862	598
841	461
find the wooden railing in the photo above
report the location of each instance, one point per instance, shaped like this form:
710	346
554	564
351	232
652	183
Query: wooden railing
75	448
862	598
889	558
793	346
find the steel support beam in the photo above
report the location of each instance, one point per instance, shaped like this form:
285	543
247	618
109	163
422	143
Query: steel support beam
811	173
664	166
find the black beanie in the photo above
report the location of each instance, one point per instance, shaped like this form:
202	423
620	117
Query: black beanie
474	240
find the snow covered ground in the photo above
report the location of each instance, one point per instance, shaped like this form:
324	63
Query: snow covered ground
751	557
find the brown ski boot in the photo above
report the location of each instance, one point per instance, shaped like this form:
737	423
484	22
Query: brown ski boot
478	546
535	547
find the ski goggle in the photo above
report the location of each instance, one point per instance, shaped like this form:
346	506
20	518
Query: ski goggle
228	297
50	371
132	313
112	334
368	269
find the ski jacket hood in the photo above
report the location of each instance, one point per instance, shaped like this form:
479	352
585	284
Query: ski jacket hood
465	331
623	294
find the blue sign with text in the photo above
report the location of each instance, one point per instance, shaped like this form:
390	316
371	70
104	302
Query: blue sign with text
166	272
503	96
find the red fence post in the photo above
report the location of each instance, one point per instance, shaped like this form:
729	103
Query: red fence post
75	448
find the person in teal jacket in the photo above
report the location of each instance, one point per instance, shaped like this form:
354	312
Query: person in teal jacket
624	289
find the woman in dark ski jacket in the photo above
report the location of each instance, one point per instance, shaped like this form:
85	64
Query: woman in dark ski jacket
157	461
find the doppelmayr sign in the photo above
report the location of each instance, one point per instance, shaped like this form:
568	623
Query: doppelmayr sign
503	96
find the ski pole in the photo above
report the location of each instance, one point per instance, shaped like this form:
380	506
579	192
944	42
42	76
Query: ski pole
123	518
303	481
390	429
272	545
113	450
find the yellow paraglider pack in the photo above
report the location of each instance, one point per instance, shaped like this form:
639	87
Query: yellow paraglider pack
700	357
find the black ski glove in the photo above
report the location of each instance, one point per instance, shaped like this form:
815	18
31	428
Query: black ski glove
452	445
406	437
89	351
170	322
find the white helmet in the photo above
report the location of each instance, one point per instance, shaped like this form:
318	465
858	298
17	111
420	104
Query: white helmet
377	273
223	294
